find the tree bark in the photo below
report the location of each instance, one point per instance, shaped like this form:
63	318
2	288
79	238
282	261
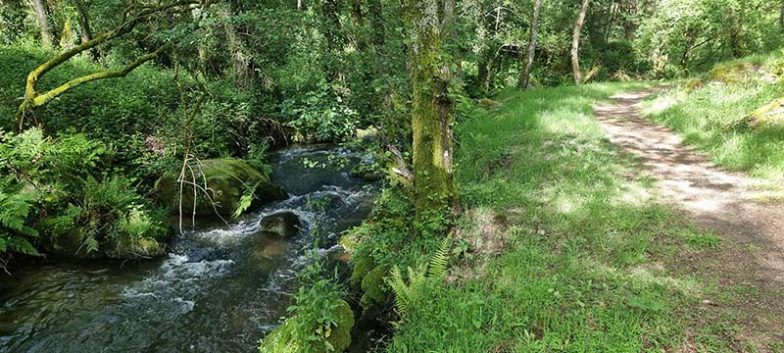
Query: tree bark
86	32
42	16
525	74
240	61
578	27
434	191
781	16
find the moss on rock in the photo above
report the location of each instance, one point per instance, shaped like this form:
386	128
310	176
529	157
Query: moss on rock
286	339
227	179
374	287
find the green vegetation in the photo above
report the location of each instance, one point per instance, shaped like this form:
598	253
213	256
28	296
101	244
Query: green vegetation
714	113
559	248
507	222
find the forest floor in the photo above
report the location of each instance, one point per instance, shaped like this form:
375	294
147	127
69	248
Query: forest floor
746	213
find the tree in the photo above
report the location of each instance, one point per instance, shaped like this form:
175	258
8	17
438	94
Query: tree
432	118
578	27
34	99
42	16
525	74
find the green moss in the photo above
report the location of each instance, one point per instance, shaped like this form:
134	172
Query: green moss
226	179
286	339
374	288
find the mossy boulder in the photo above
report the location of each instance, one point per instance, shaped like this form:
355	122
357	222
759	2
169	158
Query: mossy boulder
374	288
285	339
227	179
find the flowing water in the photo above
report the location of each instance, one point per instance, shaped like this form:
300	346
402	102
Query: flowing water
219	290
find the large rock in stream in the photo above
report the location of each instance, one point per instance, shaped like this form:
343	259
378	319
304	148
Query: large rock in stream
285	224
227	179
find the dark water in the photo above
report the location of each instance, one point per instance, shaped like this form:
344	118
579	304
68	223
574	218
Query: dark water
219	290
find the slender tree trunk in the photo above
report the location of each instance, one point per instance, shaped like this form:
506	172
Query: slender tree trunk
42	16
578	27
525	74
376	14
431	122
781	17
86	31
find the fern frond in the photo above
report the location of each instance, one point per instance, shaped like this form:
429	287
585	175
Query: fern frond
400	289
440	260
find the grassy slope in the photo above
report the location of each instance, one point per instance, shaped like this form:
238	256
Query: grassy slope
709	113
584	262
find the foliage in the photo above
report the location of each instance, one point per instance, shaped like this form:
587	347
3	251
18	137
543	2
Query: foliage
15	208
61	181
321	321
321	115
578	255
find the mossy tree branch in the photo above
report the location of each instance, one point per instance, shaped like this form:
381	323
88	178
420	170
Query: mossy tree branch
33	99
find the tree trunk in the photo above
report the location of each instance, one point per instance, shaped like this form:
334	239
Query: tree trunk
375	12
240	61
578	28
781	17
42	16
525	74
333	37
431	122
86	33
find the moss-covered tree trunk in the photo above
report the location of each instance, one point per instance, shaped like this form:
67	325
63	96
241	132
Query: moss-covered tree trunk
431	122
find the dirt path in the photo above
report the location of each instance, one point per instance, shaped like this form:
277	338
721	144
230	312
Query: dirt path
731	205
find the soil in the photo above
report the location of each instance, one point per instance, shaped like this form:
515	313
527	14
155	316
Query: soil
744	212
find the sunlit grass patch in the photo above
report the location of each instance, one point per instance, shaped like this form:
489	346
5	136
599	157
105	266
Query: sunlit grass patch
714	118
586	256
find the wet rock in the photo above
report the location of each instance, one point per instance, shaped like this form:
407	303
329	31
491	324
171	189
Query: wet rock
227	179
285	224
271	246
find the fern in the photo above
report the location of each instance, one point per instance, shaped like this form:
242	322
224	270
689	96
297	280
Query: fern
412	290
440	260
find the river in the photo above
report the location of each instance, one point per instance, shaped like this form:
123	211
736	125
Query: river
220	289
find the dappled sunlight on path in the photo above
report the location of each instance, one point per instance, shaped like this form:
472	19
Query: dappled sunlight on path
742	210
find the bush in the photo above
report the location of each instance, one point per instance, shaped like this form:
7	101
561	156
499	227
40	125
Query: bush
61	188
321	115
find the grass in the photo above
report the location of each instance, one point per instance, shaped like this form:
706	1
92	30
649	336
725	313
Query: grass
583	265
709	113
